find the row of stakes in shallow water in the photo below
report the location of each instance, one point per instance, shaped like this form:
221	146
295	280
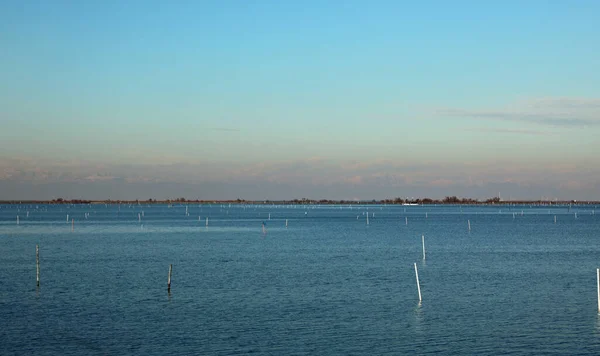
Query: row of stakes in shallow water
140	215
468	221
37	267
140	219
37	264
419	285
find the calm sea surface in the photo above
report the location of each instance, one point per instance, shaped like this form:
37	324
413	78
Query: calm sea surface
328	284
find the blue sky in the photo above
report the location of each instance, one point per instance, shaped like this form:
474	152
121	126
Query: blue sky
334	99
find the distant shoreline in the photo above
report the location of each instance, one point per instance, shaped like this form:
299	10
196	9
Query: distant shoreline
395	201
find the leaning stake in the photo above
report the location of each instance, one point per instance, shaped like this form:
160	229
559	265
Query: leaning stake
598	283
169	280
37	264
418	285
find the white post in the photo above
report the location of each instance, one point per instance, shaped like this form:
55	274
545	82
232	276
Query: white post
425	215
555	219
37	264
406	220
139	217
67	217
269	216
17	219
469	222
367	218
286	222
598	283
169	280
207	221
418	285
423	240
72	225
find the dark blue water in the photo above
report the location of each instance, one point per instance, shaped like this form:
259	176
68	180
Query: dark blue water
328	284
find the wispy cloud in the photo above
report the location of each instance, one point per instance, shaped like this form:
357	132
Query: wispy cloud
512	131
522	117
226	129
555	112
321	175
99	178
566	102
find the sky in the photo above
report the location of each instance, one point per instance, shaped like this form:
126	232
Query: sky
292	99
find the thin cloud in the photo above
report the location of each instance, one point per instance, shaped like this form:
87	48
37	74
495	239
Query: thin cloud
226	129
566	102
314	174
560	112
531	118
512	131
99	178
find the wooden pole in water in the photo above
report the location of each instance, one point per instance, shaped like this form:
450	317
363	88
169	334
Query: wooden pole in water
469	223
169	280
67	218
286	222
418	284
598	283
555	219
406	220
207	221
423	240
37	264
17	219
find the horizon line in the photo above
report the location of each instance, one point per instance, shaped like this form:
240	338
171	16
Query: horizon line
448	200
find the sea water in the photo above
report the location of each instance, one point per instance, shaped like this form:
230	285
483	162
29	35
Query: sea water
328	284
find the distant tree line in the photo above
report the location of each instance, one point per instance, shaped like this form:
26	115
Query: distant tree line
307	201
400	201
